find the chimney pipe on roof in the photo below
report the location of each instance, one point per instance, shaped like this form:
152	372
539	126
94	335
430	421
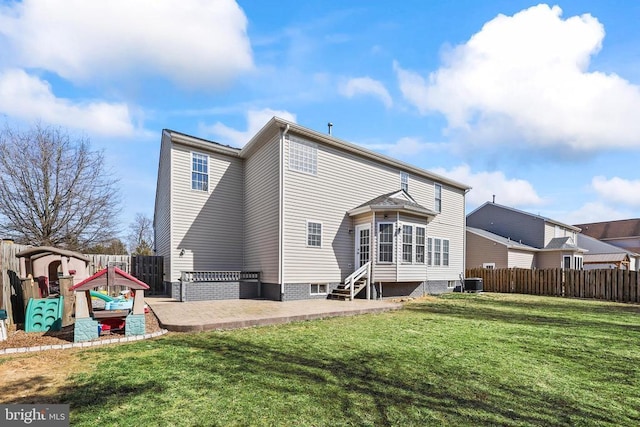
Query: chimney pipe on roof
494	198
329	125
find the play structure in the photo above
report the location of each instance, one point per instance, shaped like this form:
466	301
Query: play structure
44	314
125	312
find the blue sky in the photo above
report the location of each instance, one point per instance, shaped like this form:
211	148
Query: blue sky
538	104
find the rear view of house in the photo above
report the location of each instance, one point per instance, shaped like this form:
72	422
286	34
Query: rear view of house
295	212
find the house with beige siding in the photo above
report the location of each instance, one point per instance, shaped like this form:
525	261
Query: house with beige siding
503	237
298	214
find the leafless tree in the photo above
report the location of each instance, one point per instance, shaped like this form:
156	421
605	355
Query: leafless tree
54	190
140	237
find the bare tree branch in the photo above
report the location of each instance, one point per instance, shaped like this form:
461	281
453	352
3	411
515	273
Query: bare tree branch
55	191
140	237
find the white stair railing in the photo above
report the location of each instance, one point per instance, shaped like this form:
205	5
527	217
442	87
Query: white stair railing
364	271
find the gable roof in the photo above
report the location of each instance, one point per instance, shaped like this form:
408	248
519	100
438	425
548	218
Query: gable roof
549	220
38	251
104	277
276	125
395	201
510	244
563	243
612	229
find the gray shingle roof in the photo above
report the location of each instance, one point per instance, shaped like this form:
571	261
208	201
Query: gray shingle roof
499	239
388	202
562	243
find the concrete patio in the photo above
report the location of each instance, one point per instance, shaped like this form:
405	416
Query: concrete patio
232	314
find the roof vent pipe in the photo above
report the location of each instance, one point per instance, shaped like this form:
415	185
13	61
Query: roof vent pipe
494	198
329	125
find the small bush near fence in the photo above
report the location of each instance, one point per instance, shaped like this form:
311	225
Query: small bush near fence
610	285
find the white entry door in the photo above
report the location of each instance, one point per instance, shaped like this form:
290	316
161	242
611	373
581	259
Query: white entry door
362	245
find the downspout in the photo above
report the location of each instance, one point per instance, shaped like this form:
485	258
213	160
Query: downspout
398	244
281	216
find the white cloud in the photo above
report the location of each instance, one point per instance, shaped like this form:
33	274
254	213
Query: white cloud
29	98
406	147
525	78
596	212
256	119
366	86
509	192
193	42
617	190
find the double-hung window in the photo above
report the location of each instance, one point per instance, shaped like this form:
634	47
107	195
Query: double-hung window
407	243
437	247
385	242
445	252
429	251
420	235
314	234
404	181
199	172
438	197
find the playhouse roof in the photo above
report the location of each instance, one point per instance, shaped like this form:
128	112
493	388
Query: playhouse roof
111	276
38	251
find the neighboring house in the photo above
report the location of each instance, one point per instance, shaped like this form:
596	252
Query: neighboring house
604	255
623	233
489	250
305	210
552	243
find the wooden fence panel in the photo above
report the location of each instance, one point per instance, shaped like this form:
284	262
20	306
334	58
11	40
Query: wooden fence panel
150	270
605	284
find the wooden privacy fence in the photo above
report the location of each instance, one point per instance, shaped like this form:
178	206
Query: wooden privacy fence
149	269
611	284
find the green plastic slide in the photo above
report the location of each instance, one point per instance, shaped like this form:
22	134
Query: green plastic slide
102	296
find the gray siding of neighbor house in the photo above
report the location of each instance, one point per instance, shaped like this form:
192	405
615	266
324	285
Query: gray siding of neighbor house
518	226
481	250
344	181
552	259
208	225
261	201
162	212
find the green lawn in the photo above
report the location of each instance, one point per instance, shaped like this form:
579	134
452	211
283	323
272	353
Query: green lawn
485	359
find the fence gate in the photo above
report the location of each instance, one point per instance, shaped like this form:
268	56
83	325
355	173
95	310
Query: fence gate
149	269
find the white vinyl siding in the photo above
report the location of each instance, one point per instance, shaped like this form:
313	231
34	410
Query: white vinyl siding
207	225
521	259
343	182
261	194
449	225
162	211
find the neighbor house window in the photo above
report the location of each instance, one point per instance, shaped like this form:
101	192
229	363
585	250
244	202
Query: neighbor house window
489	265
578	262
438	197
199	172
407	243
404	181
314	234
566	261
318	289
385	242
303	156
429	251
420	235
437	247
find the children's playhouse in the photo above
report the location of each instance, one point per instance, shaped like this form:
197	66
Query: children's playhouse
127	313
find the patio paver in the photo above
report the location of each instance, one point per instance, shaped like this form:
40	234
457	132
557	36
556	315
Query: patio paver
232	314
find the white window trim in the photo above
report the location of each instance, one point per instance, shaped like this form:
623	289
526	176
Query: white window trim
424	245
489	265
413	244
311	285
293	140
306	233
208	172
564	257
394	255
404	181
437	186
441	252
